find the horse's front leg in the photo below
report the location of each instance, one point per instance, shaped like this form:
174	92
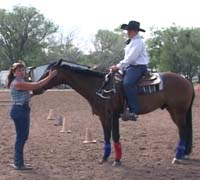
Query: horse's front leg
117	144
107	137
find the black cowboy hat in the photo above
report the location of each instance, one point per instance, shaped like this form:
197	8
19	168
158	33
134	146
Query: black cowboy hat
132	25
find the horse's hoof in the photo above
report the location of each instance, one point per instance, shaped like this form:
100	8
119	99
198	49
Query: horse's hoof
101	161
116	163
179	161
176	161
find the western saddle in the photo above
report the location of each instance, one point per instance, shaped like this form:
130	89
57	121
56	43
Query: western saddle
149	83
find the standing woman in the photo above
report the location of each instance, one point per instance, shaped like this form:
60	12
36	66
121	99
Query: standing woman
20	110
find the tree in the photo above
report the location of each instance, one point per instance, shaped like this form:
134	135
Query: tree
189	52
63	48
109	48
175	49
23	33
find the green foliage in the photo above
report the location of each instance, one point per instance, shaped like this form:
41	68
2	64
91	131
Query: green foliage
26	34
63	48
109	48
175	49
22	35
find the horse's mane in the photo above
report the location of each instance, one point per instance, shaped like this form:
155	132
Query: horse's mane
83	71
78	68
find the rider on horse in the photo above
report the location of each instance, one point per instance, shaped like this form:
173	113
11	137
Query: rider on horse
134	66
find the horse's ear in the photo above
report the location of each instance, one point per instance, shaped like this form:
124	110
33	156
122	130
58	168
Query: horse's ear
58	63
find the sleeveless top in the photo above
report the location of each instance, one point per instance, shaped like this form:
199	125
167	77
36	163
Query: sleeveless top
19	97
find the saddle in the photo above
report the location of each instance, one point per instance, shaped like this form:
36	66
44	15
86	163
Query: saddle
149	79
148	84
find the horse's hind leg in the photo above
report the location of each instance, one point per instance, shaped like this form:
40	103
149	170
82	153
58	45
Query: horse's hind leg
179	118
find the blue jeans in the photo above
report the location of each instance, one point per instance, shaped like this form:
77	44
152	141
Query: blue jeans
21	117
132	75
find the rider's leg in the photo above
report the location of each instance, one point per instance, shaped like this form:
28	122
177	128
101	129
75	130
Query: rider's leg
132	75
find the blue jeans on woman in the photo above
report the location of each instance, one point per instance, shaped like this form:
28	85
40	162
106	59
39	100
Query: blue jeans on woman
21	117
131	77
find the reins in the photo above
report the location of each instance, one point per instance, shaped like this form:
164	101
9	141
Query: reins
103	92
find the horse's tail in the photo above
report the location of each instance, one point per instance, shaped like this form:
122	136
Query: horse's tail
189	127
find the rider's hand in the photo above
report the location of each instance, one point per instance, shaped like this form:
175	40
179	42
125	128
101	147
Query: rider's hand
114	68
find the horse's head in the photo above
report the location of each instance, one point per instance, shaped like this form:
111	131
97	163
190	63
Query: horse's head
54	81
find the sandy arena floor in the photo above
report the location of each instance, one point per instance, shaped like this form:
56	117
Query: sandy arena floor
148	144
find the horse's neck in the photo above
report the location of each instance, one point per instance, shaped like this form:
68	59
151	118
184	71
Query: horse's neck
85	85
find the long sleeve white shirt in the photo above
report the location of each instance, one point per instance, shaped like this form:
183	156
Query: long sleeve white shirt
135	53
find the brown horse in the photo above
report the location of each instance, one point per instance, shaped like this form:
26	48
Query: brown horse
177	97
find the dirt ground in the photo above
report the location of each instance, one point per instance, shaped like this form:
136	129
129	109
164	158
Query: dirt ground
148	144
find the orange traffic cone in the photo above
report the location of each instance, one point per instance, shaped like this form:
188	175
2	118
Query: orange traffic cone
51	115
88	137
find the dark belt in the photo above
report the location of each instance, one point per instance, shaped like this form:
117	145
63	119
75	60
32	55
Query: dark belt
137	65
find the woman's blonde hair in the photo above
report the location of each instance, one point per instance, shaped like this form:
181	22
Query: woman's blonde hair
19	64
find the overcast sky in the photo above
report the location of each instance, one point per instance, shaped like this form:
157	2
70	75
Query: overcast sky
88	16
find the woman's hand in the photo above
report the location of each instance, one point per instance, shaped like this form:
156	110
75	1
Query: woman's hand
52	73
